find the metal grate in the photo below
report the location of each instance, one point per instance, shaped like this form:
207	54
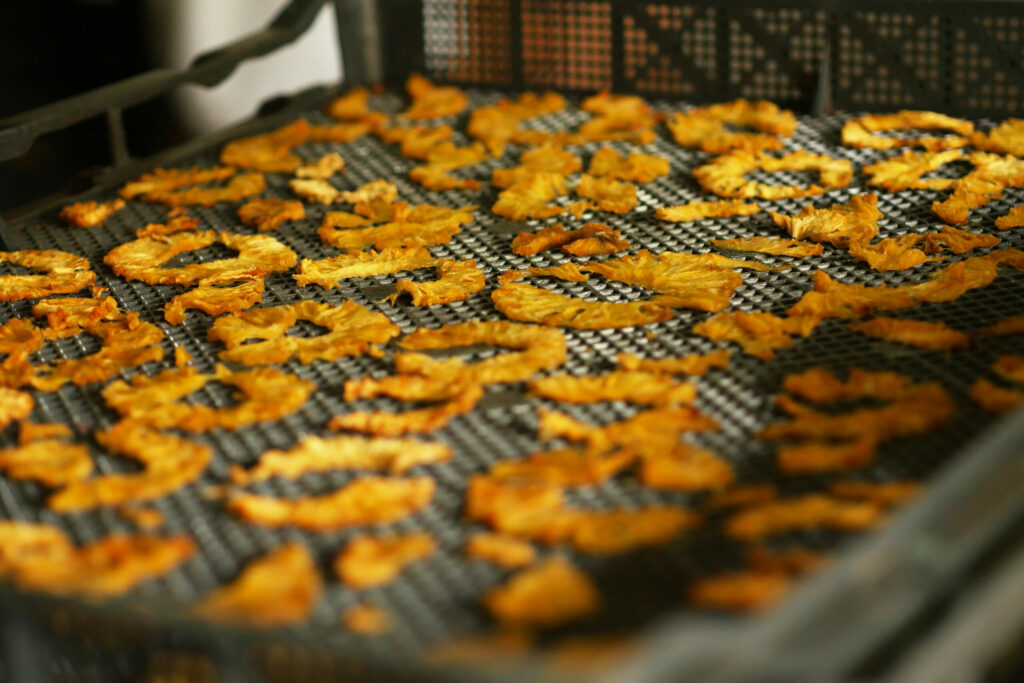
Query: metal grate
439	598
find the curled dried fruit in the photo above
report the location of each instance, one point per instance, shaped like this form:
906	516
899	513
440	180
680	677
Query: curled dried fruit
917	333
548	158
707	127
609	194
352	330
430	101
994	398
807	512
315	454
162	181
777	246
505	551
685	365
527	303
14	405
457	280
61	273
695	210
547	594
637	167
281	587
531	197
268	214
142	259
214	300
759	334
89	214
725	175
863	130
634	386
840	225
367	562
370	500
326	272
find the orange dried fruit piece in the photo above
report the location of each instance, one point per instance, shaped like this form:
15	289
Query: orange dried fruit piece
169	463
994	398
707	128
162	180
419	421
179	223
812	511
421	226
431	101
1010	367
14	405
281	587
444	158
758	334
777	246
538	348
266	394
324	167
608	193
818	385
1013	219
42	558
892	253
637	167
143	518
617	117
214	300
637	387
531	197
549	158
917	333
919	409
416	141
68	316
268	214
840	224
825	456
239	187
366	620
505	551
648	432
352	330
863	130
725	175
547	594
368	562
609	532
457	280
141	259
992	173
703	282
89	214
1006	138
60	273
365	501
354	105
906	172
532	243
316	454
831	299
49	461
685	468
956	241
19	337
327	272
317	190
695	364
885	494
695	210
564	467
127	343
30	432
526	303
1013	324
375	191
601	240
741	591
268	152
496	125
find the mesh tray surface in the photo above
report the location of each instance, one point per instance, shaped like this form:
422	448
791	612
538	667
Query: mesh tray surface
439	598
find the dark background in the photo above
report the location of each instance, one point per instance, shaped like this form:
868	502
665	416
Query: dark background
52	49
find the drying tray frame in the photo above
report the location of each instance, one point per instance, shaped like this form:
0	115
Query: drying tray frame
830	625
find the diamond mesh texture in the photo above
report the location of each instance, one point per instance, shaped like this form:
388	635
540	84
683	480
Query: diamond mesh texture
439	598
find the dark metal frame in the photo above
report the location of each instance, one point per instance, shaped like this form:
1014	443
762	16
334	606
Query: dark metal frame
832	625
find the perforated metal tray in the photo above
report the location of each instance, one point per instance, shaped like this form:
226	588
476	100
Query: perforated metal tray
438	599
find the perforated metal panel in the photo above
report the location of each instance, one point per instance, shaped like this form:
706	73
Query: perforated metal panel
439	598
